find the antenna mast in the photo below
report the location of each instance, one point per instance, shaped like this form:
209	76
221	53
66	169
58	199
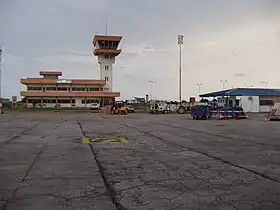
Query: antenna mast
106	27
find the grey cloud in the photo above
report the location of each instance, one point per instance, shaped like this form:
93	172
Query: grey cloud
56	34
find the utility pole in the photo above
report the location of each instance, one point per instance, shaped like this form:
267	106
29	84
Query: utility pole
151	82
199	88
224	82
264	83
1	52
180	42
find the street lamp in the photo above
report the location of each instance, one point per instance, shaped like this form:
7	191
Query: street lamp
1	52
264	83
180	42
223	82
3	87
199	88
151	82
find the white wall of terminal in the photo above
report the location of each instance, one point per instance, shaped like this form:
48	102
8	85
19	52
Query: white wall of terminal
251	103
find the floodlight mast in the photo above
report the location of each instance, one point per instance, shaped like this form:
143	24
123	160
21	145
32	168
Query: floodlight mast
180	42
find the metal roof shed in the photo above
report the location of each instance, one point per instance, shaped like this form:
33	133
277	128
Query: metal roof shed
244	92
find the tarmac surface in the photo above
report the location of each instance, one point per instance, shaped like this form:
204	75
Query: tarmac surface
138	161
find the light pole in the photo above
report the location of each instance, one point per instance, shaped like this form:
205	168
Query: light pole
180	42
3	87
151	82
199	88
1	51
264	83
223	82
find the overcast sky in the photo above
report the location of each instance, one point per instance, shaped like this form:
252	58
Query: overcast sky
238	41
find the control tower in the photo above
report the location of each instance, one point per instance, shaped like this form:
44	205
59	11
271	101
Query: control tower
106	50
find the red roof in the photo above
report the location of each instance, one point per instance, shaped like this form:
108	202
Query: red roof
51	73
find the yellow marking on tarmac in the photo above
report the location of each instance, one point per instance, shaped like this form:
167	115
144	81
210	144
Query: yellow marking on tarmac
86	140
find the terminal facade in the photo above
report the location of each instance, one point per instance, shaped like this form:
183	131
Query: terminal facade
52	91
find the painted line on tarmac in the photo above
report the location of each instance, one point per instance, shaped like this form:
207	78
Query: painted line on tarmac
86	140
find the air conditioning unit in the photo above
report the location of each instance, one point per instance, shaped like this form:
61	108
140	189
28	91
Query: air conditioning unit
250	98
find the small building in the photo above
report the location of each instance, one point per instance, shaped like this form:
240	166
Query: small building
250	99
52	91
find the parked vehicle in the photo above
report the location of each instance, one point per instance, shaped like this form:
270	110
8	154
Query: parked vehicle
95	106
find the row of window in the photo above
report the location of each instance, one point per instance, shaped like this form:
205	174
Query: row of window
51	76
51	101
89	101
64	89
108	44
262	102
108	56
266	102
60	101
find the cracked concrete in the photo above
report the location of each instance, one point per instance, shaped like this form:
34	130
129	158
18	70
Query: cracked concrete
169	162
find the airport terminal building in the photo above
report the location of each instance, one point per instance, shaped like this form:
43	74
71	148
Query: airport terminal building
52	91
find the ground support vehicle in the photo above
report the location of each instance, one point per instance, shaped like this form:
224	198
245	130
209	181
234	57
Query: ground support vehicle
118	109
159	108
229	113
274	114
183	109
130	109
201	112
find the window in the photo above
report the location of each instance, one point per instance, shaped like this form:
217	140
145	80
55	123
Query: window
266	102
76	89
50	88
34	101
89	101
106	67
51	76
93	89
62	89
49	101
64	101
107	56
106	79
34	88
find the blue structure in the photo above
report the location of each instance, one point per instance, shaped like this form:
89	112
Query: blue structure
250	99
243	92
